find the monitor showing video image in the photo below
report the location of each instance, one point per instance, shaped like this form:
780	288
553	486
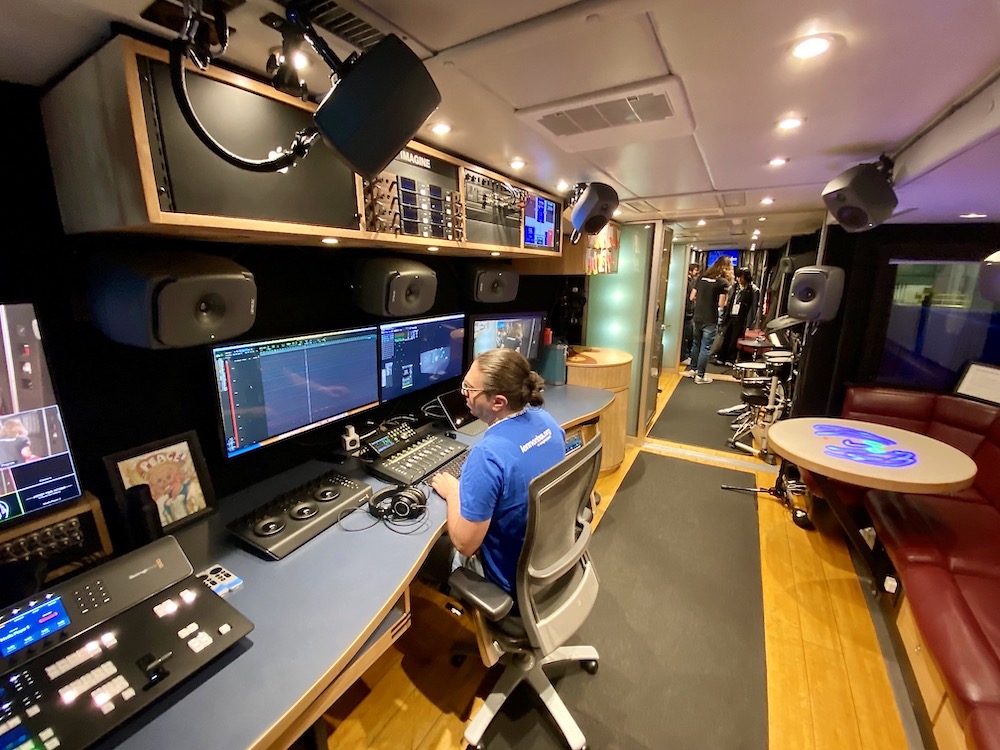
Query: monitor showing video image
36	467
521	331
416	354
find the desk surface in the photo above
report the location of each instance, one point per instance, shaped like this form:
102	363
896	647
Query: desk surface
312	611
872	455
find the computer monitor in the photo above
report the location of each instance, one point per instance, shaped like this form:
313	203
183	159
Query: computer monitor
36	467
272	390
521	331
416	354
540	222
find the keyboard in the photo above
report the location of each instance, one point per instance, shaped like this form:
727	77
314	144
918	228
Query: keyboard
454	466
282	525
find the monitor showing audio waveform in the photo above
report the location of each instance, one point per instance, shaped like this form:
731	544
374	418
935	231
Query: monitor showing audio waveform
539	222
36	468
271	390
521	331
416	354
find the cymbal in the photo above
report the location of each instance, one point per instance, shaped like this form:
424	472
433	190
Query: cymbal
783	322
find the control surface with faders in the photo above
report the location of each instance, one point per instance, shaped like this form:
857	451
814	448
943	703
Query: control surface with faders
81	658
293	518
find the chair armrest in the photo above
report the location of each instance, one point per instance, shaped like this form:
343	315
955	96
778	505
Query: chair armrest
477	592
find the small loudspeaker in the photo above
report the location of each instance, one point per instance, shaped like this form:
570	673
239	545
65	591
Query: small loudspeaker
815	293
492	284
594	208
860	198
377	107
394	287
165	300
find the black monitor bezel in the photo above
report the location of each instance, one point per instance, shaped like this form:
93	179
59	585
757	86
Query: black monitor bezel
285	437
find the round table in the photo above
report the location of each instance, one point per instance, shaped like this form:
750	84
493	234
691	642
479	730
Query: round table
872	455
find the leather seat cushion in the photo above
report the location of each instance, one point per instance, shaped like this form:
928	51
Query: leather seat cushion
982	729
963	537
959	620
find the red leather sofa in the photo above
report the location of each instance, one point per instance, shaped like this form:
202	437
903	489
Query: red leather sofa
946	548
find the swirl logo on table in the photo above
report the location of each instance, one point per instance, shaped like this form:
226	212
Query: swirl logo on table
864	447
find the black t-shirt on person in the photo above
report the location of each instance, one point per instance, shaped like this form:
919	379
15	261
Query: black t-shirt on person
706	302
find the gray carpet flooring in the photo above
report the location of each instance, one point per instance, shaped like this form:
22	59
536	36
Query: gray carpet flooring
678	623
690	415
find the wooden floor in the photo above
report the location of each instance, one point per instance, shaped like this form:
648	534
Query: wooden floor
827	685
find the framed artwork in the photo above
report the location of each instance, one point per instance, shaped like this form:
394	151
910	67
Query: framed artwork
175	471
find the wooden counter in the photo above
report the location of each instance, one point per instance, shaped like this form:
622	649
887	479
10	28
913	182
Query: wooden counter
610	370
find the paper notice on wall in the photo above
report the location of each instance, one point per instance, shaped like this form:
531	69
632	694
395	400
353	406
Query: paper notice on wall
981	382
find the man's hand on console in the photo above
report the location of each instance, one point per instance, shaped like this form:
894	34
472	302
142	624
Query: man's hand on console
445	485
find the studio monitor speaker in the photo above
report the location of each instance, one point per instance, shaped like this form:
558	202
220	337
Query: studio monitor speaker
159	300
594	208
860	198
394	287
492	284
377	106
815	293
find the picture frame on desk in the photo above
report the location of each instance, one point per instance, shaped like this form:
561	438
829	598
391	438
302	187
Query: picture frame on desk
175	470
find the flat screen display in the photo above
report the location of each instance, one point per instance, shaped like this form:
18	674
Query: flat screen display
272	390
539	222
714	255
32	625
416	354
36	467
521	331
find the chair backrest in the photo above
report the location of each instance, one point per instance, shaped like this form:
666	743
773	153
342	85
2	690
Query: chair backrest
556	581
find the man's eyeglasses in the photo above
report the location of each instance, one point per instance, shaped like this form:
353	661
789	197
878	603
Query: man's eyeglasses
466	389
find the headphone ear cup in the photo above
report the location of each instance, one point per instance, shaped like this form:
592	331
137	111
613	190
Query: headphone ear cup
397	503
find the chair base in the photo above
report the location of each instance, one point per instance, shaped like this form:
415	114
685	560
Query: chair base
523	668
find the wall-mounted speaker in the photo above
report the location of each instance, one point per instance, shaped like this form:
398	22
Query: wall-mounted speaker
593	208
492	284
377	106
159	300
815	293
394	287
860	198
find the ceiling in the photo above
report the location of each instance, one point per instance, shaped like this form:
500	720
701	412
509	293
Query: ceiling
915	79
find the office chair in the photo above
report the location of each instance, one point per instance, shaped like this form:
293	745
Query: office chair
556	586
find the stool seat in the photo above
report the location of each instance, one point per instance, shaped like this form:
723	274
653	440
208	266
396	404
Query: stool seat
754	396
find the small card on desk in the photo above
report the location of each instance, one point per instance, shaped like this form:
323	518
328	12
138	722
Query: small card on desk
220	580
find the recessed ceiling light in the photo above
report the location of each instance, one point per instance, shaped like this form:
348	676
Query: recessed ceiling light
516	163
812	46
762	218
495	253
702	222
789	123
753	245
756	233
767	201
299	60
617	212
778	161
648	226
972	216
330	240
563	186
432	249
441	128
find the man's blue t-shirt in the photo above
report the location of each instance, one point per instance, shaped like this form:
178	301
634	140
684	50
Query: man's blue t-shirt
494	485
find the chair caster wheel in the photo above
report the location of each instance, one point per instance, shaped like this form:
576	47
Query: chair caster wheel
590	665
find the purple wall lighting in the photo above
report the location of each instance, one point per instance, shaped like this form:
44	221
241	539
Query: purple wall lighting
864	447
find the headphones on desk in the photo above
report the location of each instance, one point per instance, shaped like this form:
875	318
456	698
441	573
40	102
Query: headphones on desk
397	503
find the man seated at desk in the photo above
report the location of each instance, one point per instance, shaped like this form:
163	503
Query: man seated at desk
488	506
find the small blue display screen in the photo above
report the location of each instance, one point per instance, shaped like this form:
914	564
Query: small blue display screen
32	625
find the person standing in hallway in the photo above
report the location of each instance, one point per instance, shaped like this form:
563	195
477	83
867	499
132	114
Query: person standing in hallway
742	314
710	295
688	336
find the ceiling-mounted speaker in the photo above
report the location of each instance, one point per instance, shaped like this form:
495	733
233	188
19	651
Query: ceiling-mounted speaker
593	208
377	107
492	284
394	287
861	197
815	293
159	300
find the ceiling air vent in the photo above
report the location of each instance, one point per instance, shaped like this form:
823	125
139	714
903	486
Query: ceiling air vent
637	113
341	23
